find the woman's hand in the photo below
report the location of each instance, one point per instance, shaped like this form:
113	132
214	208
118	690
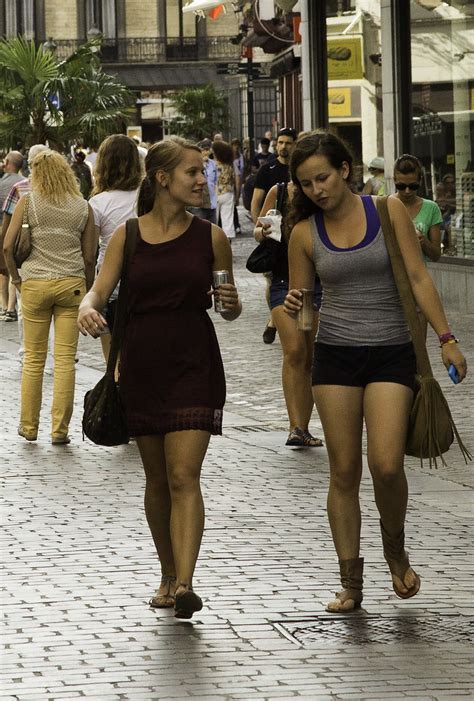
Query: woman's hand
452	355
91	322
261	231
293	302
17	283
227	294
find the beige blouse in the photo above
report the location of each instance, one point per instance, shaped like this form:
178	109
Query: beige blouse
56	233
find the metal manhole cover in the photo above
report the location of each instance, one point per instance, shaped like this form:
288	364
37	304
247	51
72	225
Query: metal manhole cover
366	630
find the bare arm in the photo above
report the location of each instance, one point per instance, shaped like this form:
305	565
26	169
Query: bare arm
301	265
424	290
431	246
257	200
260	231
89	247
90	321
14	226
223	261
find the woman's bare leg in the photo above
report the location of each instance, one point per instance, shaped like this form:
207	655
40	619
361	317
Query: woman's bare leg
340	411
296	368
185	452
386	408
157	499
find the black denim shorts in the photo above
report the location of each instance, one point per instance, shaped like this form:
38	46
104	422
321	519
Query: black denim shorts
358	366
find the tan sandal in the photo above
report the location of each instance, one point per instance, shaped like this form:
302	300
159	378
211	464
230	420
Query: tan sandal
164	601
398	562
352	583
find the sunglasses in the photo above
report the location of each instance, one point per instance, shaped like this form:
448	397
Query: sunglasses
410	186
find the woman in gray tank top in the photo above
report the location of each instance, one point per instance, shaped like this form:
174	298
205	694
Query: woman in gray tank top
364	364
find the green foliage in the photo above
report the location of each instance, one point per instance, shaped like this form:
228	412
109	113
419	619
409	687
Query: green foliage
92	104
202	112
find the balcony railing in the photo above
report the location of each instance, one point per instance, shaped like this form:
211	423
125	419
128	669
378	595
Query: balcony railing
157	49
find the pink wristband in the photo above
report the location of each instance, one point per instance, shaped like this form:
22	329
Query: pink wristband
445	337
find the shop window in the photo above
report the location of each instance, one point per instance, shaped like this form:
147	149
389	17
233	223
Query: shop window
443	115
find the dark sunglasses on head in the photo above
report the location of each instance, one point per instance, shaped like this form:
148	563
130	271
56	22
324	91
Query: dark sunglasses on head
410	186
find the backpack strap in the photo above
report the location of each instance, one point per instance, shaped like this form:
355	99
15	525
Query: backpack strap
281	196
131	236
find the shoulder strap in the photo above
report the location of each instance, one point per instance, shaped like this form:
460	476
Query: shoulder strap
26	208
404	289
131	236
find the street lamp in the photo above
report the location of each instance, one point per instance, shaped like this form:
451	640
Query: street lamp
50	45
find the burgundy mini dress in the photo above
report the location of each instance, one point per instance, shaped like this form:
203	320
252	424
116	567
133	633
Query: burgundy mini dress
171	372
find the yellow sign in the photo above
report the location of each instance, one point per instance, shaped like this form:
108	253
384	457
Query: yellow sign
345	58
339	100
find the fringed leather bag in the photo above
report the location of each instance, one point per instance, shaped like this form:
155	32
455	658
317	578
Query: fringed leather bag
103	421
431	429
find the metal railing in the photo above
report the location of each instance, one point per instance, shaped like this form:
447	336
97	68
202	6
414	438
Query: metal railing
157	49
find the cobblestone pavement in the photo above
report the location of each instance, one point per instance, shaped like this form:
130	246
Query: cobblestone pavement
79	565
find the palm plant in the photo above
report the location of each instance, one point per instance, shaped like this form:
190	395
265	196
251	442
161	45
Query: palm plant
201	112
43	98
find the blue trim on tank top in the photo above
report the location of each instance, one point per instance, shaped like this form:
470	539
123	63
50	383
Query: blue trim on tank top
373	226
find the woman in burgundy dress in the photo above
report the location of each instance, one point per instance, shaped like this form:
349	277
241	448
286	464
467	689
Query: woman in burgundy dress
171	375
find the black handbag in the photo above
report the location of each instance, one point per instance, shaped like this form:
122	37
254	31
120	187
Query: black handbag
103	420
264	258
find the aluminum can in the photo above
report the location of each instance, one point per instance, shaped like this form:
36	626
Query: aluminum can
219	277
306	313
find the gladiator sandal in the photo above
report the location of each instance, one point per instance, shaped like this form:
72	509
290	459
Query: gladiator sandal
397	561
352	583
167	600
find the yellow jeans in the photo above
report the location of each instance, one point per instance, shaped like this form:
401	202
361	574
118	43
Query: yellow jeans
41	301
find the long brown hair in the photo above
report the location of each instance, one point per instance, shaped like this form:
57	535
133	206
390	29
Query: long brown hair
165	155
118	165
316	143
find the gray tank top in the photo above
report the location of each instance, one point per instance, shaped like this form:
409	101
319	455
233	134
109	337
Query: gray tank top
361	305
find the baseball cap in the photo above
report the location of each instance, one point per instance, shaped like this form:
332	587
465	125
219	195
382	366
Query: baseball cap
35	149
288	131
378	163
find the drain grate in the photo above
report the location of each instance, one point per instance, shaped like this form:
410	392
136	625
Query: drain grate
367	630
253	429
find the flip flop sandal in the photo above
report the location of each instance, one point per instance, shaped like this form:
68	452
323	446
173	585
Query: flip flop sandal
352	581
398	562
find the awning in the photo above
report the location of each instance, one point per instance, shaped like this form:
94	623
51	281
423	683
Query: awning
165	77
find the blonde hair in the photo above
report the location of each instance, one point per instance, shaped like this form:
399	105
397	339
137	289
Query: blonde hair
165	156
52	177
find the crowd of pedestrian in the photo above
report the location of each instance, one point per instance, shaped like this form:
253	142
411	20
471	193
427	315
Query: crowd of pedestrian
353	361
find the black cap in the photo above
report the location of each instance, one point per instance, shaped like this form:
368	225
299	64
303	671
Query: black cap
288	131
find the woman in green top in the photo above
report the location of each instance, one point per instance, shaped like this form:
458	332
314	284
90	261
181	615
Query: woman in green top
425	214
